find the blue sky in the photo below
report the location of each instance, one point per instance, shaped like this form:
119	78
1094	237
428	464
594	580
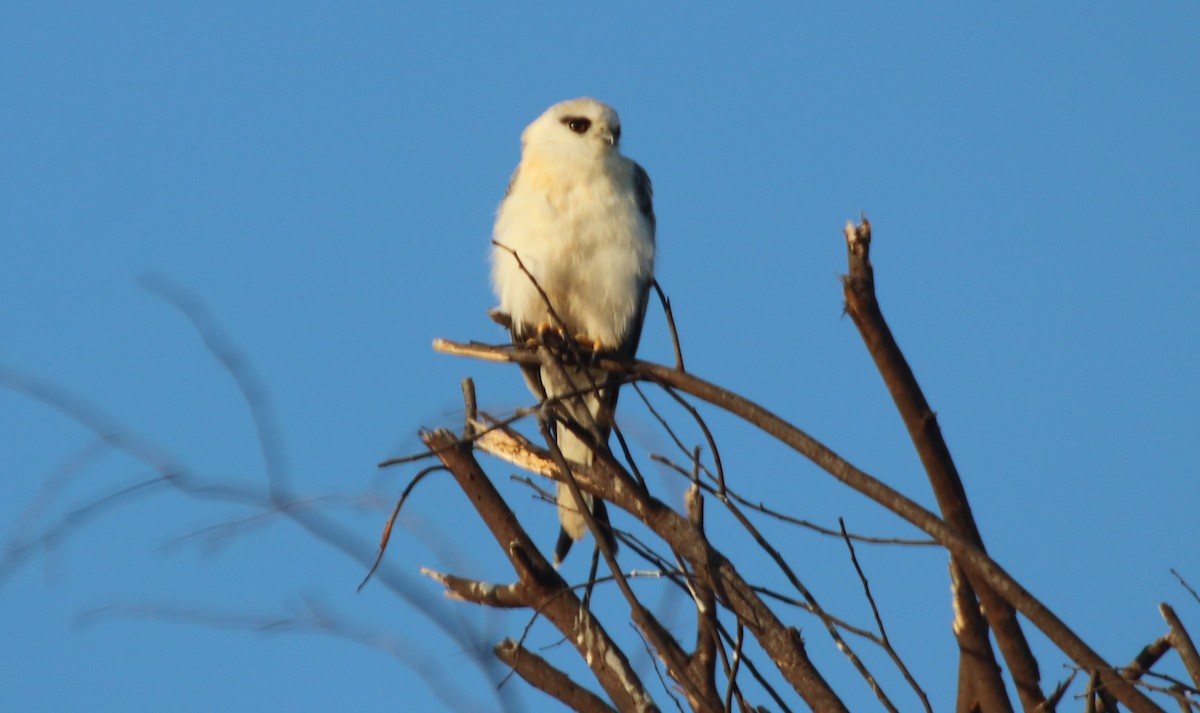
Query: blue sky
324	177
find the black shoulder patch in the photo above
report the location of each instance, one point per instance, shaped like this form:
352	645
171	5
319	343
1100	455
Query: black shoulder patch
645	194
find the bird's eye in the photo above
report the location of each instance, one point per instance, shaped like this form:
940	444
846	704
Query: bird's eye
578	124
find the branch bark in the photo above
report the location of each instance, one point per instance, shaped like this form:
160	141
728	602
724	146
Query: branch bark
541	675
863	307
1147	657
782	643
1182	643
974	561
545	590
972	558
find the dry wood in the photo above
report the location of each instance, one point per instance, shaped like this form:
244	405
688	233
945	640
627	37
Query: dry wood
971	557
541	675
544	589
986	685
1182	643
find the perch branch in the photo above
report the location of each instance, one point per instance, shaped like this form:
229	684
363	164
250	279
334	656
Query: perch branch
972	558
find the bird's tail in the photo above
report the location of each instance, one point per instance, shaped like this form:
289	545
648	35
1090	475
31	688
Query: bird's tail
573	524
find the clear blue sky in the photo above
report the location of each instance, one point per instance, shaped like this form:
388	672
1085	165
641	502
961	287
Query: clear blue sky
324	178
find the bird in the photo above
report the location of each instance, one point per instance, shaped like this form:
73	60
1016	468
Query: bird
576	229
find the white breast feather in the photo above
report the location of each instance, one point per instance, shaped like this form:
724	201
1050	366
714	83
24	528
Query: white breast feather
577	228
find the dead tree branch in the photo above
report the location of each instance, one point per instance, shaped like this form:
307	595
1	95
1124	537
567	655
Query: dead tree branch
921	422
541	587
783	644
1182	643
972	558
541	675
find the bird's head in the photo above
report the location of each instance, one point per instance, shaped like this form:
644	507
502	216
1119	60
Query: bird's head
579	127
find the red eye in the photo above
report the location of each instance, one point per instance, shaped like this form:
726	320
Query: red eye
578	124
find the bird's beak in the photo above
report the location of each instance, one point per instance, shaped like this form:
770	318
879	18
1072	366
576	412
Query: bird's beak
607	137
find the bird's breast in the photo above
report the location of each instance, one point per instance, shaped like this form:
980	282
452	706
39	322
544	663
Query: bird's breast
585	241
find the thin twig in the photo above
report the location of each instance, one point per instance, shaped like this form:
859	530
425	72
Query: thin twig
748	661
254	393
1186	585
735	663
657	669
762	508
887	644
666	305
387	528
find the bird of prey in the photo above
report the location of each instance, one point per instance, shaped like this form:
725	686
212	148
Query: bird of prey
579	217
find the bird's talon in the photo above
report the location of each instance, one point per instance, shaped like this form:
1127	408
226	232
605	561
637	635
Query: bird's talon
592	345
547	327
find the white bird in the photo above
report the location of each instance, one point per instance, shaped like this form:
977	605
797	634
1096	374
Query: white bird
579	215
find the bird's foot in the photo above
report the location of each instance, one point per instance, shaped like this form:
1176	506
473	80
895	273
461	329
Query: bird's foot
548	327
593	345
540	332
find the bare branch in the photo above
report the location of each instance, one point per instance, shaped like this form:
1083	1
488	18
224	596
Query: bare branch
879	621
1147	657
808	596
974	559
387	528
702	663
540	674
647	623
783	644
176	474
733	666
978	673
250	386
745	660
769	512
557	603
307	619
1182	643
1186	585
863	308
502	596
1056	695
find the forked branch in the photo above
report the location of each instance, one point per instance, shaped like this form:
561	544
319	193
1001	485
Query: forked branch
974	560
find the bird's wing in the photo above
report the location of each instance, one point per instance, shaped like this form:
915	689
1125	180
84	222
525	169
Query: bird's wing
627	349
